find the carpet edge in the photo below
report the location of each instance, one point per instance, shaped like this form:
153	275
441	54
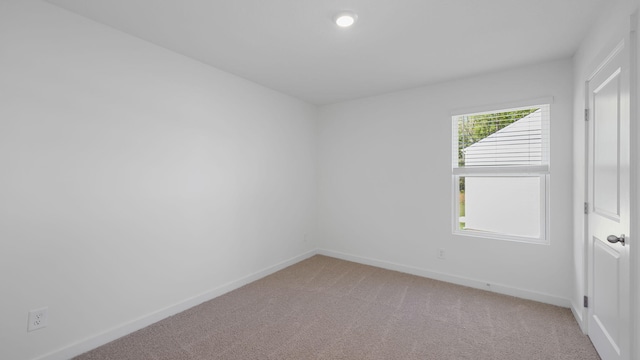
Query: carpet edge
453	279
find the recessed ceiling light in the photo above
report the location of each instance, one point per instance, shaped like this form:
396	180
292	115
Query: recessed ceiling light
345	18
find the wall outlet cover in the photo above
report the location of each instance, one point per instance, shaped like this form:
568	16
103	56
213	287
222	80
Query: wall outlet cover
38	319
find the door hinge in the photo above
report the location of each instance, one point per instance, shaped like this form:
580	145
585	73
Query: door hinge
586	301
586	114
586	208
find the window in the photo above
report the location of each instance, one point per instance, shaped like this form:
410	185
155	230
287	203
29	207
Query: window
500	172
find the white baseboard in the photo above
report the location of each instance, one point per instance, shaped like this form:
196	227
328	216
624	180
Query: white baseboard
578	313
114	333
459	280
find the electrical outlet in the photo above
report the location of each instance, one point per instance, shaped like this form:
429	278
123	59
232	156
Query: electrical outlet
441	254
38	319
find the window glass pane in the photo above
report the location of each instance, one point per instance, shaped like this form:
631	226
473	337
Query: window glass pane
502	205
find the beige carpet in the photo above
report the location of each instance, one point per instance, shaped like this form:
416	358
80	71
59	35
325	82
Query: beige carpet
324	308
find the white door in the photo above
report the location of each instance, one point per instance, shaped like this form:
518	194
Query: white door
609	320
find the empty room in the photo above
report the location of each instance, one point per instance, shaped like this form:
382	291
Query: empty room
321	179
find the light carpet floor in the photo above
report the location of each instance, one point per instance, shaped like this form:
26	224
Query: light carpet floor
324	308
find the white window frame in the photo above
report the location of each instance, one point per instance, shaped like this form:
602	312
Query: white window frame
543	172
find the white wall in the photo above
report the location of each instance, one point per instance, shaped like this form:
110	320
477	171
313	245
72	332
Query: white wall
134	179
609	29
385	186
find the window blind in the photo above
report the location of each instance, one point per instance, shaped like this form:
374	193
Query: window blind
513	138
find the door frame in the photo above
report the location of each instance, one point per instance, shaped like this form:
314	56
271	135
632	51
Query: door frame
634	133
634	173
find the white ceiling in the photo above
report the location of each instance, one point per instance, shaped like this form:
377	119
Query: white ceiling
292	45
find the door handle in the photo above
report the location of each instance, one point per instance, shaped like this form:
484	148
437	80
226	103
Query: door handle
614	239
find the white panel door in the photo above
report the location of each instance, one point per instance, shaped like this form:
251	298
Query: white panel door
609	196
